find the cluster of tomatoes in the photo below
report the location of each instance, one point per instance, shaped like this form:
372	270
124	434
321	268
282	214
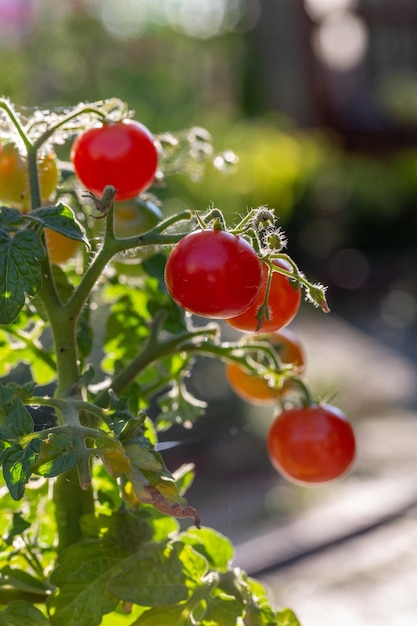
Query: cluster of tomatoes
121	154
211	273
216	274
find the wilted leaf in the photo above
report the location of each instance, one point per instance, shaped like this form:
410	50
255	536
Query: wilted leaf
114	456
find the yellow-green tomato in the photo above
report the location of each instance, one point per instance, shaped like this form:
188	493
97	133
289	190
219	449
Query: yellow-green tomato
14	177
133	217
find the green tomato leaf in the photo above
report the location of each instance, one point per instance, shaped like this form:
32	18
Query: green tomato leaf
16	421
158	575
114	456
179	406
82	577
258	608
286	617
19	579
17	462
184	477
179	614
221	609
217	550
93	576
21	613
20	272
60	218
56	456
10	219
19	525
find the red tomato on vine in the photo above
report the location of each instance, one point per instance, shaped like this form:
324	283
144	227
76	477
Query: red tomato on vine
312	444
283	304
213	273
122	154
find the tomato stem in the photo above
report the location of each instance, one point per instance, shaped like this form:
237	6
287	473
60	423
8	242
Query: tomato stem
155	350
14	118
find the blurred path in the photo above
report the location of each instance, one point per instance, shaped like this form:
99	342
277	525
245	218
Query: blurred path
349	558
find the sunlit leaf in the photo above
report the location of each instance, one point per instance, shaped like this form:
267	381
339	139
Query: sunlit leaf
17	422
17	462
214	547
56	456
20	272
61	219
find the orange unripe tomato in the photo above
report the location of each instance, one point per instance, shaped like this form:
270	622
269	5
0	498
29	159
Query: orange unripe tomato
60	248
255	389
14	177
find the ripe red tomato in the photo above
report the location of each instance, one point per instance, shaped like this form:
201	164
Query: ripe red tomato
283	304
14	177
255	389
312	444
122	154
213	273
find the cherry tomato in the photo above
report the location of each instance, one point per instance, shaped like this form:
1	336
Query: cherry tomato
14	177
312	444
122	154
60	248
213	273
283	304
255	389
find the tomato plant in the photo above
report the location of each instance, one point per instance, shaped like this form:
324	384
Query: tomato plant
256	389
312	444
122	154
14	176
283	302
213	273
91	512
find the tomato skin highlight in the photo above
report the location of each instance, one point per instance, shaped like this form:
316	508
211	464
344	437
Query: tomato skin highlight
283	304
213	273
122	154
255	389
311	445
